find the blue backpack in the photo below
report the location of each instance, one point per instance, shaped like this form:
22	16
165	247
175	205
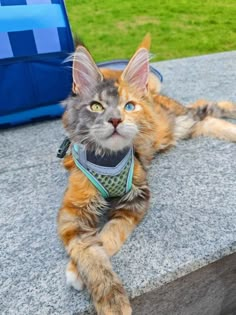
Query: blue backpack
35	39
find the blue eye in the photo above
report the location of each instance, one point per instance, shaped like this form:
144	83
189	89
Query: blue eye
129	107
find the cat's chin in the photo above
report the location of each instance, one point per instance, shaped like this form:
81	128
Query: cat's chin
115	143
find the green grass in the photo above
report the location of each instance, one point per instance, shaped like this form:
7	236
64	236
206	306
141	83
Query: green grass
113	29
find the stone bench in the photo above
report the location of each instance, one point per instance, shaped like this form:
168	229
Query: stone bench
180	260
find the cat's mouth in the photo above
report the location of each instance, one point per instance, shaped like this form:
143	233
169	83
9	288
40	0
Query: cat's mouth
115	133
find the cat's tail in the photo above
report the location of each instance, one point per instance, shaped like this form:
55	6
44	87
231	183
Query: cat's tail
223	109
204	119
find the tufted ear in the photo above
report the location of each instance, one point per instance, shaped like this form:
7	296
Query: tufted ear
146	42
137	71
86	74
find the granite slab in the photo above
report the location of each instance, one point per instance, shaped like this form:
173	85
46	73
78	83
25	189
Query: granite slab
192	217
207	291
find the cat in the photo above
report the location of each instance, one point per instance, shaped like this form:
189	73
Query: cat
116	122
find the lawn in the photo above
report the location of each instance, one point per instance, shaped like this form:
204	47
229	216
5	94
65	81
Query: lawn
113	29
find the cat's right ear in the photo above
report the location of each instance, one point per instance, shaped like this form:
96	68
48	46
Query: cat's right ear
86	74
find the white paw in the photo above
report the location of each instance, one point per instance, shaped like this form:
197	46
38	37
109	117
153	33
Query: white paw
73	280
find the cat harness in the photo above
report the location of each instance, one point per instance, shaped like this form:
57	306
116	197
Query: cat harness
111	175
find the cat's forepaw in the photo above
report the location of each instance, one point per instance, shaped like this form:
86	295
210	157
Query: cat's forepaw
125	310
117	303
73	278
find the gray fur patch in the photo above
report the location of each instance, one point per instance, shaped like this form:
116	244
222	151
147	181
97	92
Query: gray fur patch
80	120
208	109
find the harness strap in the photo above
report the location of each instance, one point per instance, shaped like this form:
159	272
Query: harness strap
107	180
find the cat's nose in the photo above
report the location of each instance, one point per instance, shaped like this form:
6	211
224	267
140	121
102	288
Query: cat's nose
115	121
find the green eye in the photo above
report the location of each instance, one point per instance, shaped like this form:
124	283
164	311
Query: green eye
96	107
129	107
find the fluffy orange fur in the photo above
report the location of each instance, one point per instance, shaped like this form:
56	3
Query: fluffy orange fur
162	121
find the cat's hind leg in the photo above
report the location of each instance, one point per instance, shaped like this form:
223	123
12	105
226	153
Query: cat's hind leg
202	119
216	128
208	123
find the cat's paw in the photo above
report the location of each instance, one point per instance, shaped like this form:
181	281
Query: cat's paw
73	278
115	303
123	310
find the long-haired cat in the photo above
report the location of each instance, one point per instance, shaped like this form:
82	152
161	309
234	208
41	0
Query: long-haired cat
116	122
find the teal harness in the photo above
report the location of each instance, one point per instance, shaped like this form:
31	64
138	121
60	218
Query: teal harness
111	181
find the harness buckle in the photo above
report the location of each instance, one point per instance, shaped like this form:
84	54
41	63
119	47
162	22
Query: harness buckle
61	152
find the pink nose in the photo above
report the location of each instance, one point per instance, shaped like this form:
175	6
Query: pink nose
115	121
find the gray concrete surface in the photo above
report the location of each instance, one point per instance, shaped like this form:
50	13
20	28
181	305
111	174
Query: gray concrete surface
191	222
207	291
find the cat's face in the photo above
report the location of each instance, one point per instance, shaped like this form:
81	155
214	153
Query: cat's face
106	115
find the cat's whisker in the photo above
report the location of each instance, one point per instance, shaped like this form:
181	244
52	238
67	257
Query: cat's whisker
70	58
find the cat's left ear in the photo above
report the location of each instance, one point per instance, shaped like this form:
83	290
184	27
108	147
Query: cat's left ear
137	71
86	74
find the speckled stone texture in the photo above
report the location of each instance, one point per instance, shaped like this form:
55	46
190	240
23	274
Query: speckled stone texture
207	291
191	222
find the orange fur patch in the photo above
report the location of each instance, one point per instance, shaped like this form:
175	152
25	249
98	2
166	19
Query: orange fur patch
161	122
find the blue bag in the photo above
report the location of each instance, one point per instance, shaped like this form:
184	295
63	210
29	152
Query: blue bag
35	38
